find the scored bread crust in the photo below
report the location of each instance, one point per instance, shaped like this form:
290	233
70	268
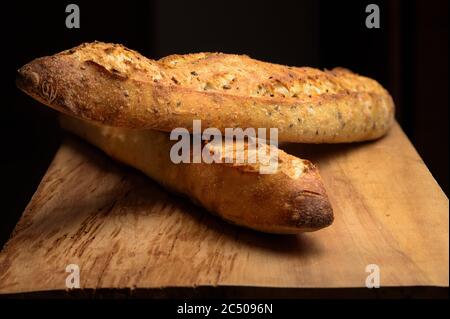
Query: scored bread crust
116	86
292	200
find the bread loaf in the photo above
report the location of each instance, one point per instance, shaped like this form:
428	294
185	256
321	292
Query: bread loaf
113	85
291	200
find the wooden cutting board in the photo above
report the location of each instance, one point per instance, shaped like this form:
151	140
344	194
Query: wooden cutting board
126	232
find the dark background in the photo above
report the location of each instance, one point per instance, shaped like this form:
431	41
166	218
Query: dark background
408	55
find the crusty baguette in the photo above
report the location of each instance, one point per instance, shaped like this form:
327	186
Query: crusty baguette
292	200
111	84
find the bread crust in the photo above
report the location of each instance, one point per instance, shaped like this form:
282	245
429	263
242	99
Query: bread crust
292	200
113	85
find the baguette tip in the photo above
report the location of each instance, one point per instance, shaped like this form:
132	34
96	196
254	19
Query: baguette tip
31	81
28	80
315	212
23	78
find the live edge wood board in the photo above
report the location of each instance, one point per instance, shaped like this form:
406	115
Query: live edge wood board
126	232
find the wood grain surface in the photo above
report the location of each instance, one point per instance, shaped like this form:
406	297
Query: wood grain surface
126	232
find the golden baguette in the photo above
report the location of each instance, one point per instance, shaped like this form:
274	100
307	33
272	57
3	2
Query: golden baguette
292	200
113	85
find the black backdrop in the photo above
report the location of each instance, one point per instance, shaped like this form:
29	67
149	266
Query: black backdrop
408	55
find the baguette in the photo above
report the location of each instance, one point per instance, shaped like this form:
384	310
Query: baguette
113	85
292	200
